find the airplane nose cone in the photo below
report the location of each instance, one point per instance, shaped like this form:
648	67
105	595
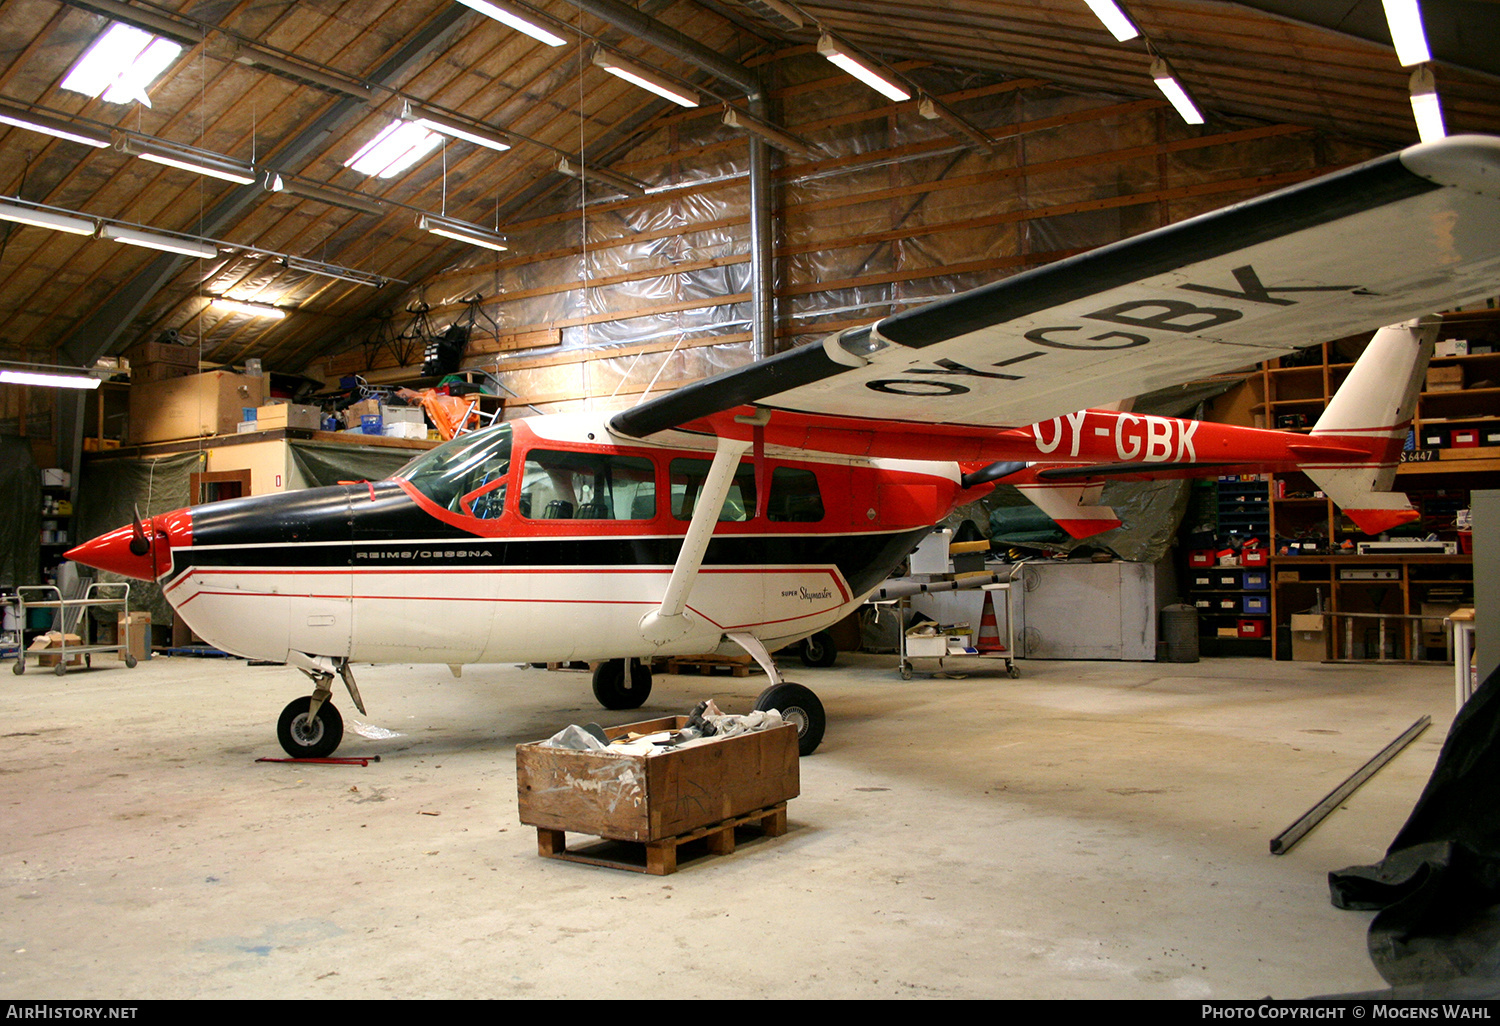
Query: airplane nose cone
145	555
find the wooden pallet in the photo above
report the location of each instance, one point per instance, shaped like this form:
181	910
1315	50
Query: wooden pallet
738	666
660	857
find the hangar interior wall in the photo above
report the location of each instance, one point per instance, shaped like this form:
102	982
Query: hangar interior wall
602	301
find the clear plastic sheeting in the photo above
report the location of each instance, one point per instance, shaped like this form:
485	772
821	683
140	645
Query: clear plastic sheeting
109	494
891	212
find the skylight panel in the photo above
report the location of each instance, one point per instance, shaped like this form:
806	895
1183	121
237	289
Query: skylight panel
400	145
121	64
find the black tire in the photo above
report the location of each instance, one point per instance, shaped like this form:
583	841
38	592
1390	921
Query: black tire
819	650
798	706
614	692
301	741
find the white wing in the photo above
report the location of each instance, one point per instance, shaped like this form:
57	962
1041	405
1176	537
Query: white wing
1407	234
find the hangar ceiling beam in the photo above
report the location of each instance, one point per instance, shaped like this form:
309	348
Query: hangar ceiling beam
94	337
665	37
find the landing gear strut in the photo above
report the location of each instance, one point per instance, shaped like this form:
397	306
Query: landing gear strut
311	728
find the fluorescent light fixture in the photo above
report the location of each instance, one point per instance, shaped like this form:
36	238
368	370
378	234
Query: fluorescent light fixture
116	10
50	126
648	80
273	182
462	231
46	219
120	65
767	131
348	274
842	57
1425	106
447	126
199	162
253	309
301	72
165	243
508	14
1117	21
1405	20
49	379
598	176
398	146
1174	92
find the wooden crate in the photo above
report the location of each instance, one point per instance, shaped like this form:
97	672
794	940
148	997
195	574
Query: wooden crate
653	798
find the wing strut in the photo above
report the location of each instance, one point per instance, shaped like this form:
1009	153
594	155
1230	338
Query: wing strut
668	621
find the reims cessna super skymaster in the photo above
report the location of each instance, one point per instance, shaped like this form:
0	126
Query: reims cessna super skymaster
760	506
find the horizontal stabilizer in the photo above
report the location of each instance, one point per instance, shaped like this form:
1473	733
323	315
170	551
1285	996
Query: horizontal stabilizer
1075	508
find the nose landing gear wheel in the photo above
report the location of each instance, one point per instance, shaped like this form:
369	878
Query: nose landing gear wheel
614	691
302	738
799	707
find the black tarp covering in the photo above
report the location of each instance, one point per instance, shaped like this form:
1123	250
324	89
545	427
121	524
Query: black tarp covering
20	530
1437	891
323	464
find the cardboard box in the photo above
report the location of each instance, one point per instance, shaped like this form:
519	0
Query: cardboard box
1445	379
139	644
353	415
52	477
288	415
1451	347
49	648
171	353
1309	637
192	406
647	798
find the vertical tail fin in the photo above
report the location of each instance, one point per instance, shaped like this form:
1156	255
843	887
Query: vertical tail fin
1372	410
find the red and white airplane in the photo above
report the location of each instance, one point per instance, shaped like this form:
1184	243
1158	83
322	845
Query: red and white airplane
760	506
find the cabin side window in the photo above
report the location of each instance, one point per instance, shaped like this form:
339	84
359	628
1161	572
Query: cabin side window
687	477
559	485
794	496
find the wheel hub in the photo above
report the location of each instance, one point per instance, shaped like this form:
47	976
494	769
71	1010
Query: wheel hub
305	732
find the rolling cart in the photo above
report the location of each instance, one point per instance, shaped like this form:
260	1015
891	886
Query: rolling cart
98	596
936	646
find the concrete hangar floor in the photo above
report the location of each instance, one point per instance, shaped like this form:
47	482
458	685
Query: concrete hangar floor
1091	830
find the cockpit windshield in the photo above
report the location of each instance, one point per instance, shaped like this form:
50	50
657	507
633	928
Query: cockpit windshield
466	474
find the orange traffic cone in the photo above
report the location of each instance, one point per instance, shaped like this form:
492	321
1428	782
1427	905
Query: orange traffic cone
989	630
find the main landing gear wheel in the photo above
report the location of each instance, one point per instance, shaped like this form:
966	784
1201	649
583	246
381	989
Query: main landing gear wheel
819	650
799	707
302	738
615	691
